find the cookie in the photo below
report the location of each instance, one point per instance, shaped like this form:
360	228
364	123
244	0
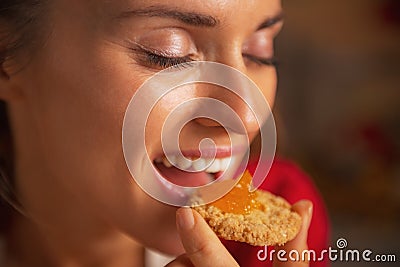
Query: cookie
258	218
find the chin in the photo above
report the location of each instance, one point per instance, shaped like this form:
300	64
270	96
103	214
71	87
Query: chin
166	243
154	225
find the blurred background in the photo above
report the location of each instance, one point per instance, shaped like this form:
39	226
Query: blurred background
338	113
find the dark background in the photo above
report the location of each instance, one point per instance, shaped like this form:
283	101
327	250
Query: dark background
338	113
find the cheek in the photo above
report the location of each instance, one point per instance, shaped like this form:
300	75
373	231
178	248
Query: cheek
82	104
78	107
267	83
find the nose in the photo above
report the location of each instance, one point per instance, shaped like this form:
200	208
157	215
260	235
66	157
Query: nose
243	97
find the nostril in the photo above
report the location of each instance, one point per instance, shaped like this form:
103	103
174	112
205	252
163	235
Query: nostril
207	122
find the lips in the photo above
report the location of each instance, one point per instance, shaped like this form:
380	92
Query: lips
193	171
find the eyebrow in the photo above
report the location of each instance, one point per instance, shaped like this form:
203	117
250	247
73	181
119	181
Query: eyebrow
190	18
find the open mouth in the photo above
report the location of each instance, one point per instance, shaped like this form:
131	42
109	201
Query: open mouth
193	172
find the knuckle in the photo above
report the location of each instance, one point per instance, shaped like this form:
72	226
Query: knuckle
203	248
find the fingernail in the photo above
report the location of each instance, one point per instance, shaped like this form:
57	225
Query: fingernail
185	219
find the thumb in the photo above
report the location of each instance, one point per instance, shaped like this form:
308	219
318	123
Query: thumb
202	246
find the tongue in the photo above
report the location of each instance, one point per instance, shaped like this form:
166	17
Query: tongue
182	178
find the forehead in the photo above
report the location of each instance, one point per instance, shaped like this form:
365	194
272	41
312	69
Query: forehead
208	5
222	10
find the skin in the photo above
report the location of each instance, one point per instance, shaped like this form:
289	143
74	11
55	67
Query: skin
66	109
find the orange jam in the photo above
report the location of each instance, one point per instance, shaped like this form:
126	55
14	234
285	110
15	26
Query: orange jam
239	200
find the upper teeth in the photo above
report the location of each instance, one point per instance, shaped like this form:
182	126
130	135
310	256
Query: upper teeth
200	164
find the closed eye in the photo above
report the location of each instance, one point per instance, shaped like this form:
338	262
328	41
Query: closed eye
262	61
159	61
166	62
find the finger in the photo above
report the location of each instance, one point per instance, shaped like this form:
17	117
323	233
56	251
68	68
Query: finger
202	246
304	208
299	243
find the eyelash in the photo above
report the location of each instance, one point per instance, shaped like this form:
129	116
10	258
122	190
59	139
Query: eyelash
263	61
166	62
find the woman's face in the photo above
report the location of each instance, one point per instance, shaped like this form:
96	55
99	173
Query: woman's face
67	120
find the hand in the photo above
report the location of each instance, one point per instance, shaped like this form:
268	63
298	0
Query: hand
202	246
304	208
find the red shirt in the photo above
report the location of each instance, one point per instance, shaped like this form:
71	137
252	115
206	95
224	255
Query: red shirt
288	181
